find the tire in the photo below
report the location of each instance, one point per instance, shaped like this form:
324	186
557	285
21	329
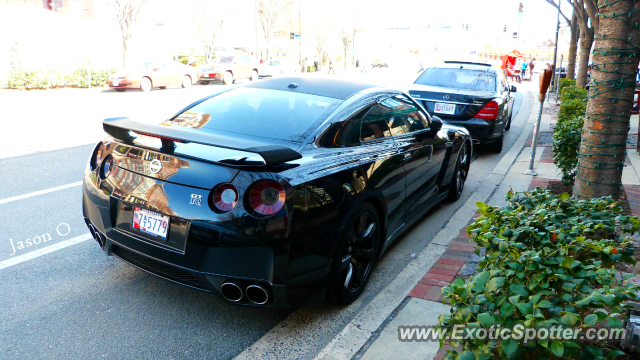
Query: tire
460	172
496	146
186	81
145	84
355	256
120	90
254	75
508	125
228	78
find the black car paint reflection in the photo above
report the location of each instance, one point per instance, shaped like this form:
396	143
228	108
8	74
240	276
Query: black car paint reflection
290	253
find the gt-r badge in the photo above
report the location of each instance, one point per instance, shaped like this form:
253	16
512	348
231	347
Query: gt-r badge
196	199
155	166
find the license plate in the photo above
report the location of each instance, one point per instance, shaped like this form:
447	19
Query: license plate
444	108
116	83
150	222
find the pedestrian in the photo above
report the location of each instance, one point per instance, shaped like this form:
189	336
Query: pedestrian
315	66
523	70
331	68
357	64
532	64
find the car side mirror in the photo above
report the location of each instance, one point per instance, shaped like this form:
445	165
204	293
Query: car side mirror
156	69
513	89
436	123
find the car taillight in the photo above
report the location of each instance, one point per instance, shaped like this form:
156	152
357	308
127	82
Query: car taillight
107	167
489	111
266	197
223	198
96	157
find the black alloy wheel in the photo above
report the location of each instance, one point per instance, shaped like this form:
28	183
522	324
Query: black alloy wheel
460	172
355	256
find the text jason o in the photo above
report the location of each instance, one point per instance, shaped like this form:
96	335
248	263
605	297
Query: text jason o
63	229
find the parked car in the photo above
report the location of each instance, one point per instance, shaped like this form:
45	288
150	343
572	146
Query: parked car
473	95
272	194
227	69
277	67
379	63
153	74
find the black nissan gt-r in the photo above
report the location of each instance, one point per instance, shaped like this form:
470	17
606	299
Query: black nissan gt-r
274	194
473	95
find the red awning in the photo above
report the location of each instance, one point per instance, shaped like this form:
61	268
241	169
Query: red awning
515	53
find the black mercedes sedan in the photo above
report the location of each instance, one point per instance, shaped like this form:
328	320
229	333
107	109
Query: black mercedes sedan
275	194
473	95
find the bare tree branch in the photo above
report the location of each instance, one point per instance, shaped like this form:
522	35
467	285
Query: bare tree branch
126	12
269	12
561	13
207	18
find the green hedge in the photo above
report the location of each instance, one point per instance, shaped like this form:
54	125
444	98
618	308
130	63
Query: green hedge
564	83
568	131
549	262
573	92
48	79
185	59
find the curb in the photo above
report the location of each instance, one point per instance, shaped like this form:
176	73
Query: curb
351	339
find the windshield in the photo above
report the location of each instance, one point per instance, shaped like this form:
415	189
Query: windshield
223	60
464	79
257	112
274	62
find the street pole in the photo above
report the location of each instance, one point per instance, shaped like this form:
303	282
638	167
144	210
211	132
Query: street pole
300	28
545	80
255	5
559	74
555	49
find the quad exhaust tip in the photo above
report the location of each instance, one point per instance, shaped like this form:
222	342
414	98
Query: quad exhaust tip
231	292
257	294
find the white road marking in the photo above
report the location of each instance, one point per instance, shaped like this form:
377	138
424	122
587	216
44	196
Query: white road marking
36	193
45	250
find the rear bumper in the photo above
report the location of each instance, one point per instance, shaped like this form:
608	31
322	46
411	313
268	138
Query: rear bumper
198	265
481	131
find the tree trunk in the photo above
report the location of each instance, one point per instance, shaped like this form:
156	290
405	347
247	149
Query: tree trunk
125	51
586	40
573	47
345	58
615	63
268	42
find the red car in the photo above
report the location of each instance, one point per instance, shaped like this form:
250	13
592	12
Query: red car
148	75
228	69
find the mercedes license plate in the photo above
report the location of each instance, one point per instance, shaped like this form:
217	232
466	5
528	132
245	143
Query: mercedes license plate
444	108
150	222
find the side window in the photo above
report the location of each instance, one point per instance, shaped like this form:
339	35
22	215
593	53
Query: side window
403	115
374	125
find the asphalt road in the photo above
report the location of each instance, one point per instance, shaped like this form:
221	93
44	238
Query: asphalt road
76	303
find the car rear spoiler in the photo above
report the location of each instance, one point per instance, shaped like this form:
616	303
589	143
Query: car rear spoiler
127	130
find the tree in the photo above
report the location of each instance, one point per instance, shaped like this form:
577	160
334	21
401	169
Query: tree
613	81
207	18
269	12
126	15
319	31
575	31
586	13
345	38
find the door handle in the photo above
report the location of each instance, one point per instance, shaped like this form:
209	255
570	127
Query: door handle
407	155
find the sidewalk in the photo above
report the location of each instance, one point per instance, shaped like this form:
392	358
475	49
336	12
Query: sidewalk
424	304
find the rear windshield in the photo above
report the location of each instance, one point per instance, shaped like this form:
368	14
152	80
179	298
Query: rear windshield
257	112
465	79
223	60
